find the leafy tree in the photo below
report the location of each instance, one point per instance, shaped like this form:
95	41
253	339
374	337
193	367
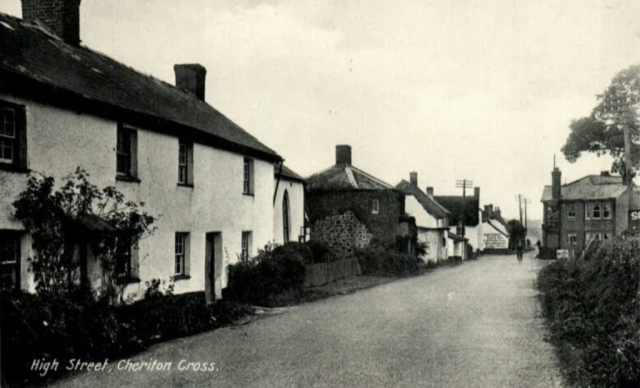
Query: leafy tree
50	216
517	232
601	132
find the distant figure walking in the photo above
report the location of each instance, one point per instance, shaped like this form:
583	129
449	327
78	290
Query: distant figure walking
519	251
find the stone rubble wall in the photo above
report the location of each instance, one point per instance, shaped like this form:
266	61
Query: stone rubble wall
344	233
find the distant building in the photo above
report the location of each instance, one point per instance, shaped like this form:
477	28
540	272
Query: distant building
467	208
594	207
456	246
495	230
349	208
432	220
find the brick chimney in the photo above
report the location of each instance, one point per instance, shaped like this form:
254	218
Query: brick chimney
413	178
191	77
430	190
62	17
343	154
476	192
556	177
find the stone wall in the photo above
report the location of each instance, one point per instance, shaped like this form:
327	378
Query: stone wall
344	233
382	224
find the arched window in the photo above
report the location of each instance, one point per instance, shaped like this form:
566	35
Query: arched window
285	217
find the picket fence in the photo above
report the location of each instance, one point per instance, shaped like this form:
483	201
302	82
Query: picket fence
323	273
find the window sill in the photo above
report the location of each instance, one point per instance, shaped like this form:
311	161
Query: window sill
13	168
127	178
248	194
181	277
188	185
128	280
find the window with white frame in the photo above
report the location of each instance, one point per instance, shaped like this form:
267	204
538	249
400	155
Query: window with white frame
8	136
598	211
185	163
375	206
181	254
571	210
13	140
591	236
248	177
246	246
572	238
126	259
126	152
9	260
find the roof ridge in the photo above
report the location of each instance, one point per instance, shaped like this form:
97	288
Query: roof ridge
110	84
370	176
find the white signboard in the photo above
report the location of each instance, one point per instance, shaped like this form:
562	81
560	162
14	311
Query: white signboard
562	253
495	241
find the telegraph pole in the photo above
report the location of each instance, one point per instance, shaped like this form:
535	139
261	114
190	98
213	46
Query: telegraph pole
520	207
464	184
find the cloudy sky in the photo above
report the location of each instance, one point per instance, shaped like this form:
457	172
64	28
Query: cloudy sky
476	89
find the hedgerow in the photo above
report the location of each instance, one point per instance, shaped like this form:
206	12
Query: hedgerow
593	311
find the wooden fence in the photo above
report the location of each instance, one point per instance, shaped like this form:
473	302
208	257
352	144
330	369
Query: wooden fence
323	273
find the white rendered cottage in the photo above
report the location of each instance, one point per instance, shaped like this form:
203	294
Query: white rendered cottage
432	220
63	105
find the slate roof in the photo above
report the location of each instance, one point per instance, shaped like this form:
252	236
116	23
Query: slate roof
492	214
29	51
589	187
428	203
287	173
345	177
457	206
498	229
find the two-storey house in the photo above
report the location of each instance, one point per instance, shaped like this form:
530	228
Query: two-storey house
591	208
63	106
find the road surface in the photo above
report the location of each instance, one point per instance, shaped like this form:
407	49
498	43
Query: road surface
473	325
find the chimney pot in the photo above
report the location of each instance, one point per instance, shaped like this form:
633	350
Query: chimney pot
430	190
343	154
556	190
62	17
191	77
476	192
413	177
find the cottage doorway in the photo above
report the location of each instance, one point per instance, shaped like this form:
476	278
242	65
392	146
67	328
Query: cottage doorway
213	266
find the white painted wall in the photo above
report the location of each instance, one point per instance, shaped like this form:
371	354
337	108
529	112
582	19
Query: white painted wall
437	250
61	140
492	238
296	210
415	209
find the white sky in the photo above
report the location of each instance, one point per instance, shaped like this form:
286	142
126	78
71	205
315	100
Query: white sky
453	89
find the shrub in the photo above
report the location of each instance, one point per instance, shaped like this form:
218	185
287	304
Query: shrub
272	272
592	308
321	251
375	260
79	325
